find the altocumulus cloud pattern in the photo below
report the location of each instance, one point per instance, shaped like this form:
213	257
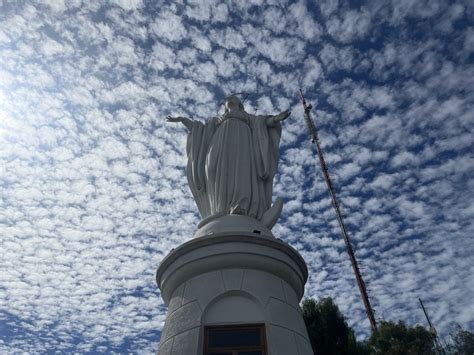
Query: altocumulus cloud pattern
93	190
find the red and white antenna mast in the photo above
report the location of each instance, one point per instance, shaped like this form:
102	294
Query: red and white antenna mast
355	266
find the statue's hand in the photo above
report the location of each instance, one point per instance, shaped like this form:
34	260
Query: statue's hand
282	116
174	119
184	120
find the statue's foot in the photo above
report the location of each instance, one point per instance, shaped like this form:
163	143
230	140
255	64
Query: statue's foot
270	217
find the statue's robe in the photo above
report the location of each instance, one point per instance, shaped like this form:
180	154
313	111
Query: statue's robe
232	163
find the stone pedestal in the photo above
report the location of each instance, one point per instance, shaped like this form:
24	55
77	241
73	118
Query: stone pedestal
233	277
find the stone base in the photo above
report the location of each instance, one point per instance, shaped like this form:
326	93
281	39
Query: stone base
230	278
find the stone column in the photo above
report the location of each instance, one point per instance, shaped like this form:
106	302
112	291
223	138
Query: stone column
233	273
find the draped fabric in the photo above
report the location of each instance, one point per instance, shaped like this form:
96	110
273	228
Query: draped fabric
231	165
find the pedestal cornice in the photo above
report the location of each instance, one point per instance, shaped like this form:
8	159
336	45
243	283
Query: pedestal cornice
230	250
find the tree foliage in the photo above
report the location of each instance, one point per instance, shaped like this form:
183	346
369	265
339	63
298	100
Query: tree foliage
392	338
328	330
462	342
330	334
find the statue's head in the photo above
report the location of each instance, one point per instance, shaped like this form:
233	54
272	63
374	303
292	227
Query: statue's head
232	103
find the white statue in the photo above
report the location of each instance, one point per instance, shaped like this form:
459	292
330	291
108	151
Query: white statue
232	160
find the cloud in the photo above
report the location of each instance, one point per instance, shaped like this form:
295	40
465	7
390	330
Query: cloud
349	26
129	5
93	178
169	27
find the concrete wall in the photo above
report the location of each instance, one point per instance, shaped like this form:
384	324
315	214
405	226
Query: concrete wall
234	295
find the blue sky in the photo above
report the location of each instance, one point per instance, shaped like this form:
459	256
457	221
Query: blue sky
93	189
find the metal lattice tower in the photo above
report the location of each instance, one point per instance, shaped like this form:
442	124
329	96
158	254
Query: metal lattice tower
439	347
355	266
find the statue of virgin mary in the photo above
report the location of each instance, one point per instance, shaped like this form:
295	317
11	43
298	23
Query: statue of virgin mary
232	160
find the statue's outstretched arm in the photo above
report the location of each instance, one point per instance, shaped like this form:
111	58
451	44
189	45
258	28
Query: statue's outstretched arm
272	120
185	121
